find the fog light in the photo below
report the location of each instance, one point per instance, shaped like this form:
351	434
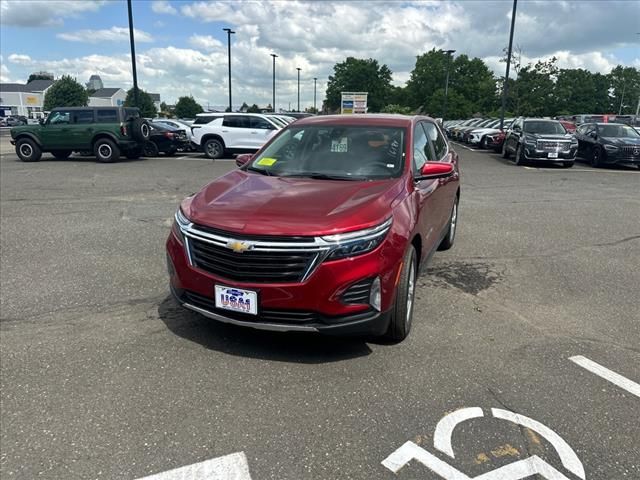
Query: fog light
170	268
375	296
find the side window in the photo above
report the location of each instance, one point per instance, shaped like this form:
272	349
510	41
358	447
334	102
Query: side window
60	117
421	149
436	139
236	121
261	123
83	116
107	116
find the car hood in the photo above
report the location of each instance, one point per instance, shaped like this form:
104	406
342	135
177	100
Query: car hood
255	204
482	131
621	140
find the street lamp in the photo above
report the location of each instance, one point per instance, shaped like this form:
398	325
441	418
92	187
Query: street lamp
315	79
298	68
446	83
133	56
505	87
274	82
229	32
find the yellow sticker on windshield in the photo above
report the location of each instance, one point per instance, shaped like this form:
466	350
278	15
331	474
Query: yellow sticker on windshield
267	161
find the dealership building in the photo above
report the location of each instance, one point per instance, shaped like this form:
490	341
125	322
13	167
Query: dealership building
20	99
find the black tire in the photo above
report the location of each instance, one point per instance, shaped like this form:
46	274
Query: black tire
133	154
61	154
505	152
519	157
28	150
402	310
106	151
450	237
213	148
567	164
140	129
596	157
483	143
150	149
171	153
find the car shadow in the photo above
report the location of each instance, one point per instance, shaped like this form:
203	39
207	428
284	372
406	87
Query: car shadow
291	347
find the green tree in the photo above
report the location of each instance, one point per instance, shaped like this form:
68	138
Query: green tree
536	87
40	76
575	92
625	86
359	75
395	108
253	109
65	92
145	103
187	107
244	107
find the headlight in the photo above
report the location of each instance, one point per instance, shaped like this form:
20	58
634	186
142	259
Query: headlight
181	223
611	148
356	243
529	141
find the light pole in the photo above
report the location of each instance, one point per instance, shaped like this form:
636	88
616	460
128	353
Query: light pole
274	82
298	68
229	32
446	83
505	87
315	79
133	56
624	85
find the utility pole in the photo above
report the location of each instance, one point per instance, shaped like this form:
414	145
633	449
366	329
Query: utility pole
133	56
446	83
505	87
274	82
315	79
298	68
229	32
624	84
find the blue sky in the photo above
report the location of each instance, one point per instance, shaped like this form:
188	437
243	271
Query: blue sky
181	48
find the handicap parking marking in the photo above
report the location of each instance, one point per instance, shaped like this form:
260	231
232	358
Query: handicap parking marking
609	375
532	465
229	467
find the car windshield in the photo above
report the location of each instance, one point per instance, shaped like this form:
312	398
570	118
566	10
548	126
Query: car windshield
618	131
334	153
544	127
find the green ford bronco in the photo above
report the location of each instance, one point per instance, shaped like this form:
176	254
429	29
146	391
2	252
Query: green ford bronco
105	131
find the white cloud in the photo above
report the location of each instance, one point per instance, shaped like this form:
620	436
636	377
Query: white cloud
37	13
20	59
4	71
205	42
113	34
163	7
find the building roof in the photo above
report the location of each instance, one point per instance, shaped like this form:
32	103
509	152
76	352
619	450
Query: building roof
106	92
155	97
12	87
38	85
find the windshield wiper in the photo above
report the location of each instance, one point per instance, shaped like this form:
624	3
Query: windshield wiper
261	171
324	176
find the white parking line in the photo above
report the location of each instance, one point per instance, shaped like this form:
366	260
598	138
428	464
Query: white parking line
591	170
613	377
229	467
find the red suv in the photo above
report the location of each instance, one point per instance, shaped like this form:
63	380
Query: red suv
324	229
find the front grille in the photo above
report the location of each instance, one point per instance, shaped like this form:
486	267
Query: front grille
244	236
251	266
358	292
631	151
552	145
269	316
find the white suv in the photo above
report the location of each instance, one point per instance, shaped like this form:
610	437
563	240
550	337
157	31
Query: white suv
232	132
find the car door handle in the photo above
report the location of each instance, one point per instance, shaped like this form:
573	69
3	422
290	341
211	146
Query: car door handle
254	132
225	131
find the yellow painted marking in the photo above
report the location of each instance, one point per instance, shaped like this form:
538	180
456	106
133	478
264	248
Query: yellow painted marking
481	458
505	451
267	161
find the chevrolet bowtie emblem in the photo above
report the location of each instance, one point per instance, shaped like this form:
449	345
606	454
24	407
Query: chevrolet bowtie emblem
238	246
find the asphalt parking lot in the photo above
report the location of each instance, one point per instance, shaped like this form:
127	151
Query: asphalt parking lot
104	377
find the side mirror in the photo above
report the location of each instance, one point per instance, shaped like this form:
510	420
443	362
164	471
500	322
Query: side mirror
243	158
435	170
593	135
41	121
516	128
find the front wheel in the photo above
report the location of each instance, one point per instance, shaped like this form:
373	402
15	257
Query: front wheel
519	158
483	143
28	150
505	152
150	149
447	241
402	310
596	158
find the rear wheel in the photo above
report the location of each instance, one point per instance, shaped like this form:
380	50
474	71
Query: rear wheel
61	154
28	150
213	148
402	310
106	151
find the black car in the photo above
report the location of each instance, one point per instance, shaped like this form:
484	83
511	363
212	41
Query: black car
608	144
164	139
538	139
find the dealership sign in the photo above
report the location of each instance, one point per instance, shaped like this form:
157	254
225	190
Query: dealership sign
353	102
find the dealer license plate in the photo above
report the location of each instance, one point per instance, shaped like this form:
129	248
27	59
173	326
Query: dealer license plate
553	155
236	299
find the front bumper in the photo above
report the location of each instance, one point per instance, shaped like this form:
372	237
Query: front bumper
532	153
315	304
621	157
